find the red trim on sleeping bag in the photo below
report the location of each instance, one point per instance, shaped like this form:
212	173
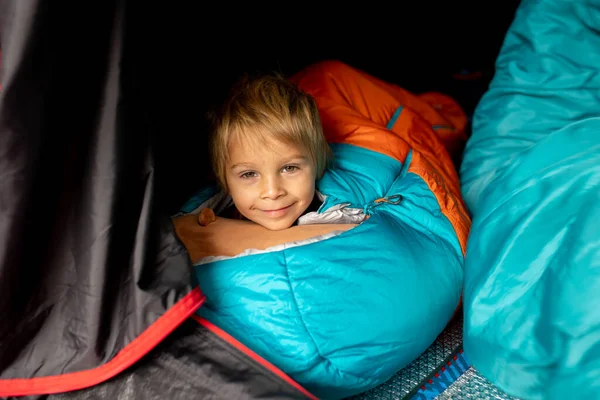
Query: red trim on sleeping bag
131	353
232	341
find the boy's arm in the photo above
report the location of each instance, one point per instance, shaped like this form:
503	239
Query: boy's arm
230	237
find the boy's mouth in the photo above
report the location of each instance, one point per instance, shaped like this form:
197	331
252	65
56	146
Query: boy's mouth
278	212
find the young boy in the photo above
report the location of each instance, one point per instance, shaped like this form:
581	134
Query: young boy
268	150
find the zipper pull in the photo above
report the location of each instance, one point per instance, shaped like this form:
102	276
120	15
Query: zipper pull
394	199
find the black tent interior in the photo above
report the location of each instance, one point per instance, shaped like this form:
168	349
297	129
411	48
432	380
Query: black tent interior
191	65
103	137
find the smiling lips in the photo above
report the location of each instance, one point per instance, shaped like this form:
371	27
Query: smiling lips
280	212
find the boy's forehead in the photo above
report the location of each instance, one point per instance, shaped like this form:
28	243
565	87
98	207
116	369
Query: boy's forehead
255	151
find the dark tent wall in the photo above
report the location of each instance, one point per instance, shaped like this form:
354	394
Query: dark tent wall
80	244
189	55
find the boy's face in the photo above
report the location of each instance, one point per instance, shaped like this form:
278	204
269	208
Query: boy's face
271	185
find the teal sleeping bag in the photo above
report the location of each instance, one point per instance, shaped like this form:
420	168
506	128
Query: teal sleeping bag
531	179
343	312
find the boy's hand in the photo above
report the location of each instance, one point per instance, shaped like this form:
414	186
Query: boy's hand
206	216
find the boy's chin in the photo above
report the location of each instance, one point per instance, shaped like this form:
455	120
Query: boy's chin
276	225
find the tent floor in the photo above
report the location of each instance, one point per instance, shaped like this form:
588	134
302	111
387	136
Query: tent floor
418	380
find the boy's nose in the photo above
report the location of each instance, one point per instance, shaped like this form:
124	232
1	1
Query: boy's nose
272	188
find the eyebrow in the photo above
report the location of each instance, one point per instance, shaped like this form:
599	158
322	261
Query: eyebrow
244	165
288	160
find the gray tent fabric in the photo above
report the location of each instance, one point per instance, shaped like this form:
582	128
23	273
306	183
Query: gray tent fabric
193	364
86	265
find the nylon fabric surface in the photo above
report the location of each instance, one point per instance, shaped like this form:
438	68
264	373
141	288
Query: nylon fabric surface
531	178
86	264
290	315
192	363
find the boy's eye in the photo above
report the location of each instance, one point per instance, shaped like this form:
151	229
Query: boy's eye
248	175
290	168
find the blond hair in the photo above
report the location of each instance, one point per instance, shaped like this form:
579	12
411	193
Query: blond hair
264	108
